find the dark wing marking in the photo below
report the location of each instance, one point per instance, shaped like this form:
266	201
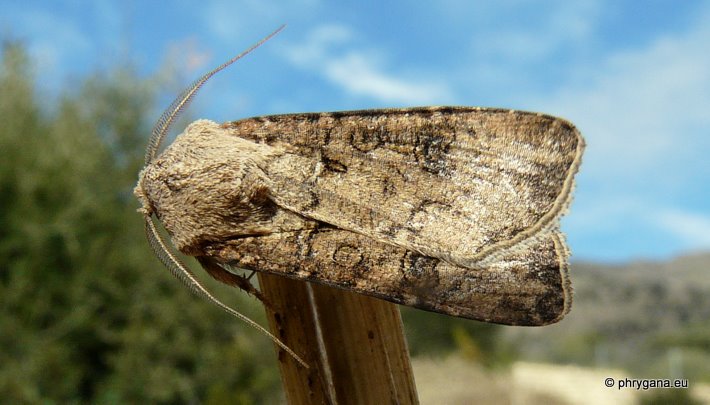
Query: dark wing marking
528	286
454	183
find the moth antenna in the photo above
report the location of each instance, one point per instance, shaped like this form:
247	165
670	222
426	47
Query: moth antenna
187	277
183	100
160	248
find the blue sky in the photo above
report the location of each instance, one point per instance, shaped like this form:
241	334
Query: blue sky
633	76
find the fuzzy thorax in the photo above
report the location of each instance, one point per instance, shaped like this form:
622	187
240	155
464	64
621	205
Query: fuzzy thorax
210	186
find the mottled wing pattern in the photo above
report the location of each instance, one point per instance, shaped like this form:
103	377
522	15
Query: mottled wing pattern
452	183
527	287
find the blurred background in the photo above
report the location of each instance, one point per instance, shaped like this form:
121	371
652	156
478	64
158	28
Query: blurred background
88	315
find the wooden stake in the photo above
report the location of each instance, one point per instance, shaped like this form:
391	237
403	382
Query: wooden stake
354	345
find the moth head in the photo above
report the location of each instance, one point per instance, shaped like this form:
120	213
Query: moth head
209	187
156	185
148	194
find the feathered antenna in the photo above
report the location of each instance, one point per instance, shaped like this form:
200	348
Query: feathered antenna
183	100
156	241
186	276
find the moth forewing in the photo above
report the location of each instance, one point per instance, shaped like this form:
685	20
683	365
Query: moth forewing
455	183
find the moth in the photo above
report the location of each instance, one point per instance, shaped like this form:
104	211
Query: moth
449	209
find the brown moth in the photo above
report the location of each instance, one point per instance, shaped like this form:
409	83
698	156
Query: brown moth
450	209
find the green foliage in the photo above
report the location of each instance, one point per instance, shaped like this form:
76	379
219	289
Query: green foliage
87	314
690	336
434	334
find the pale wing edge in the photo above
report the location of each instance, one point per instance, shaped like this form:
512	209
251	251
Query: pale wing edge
549	221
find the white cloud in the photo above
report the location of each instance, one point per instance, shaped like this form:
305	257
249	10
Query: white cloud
355	73
315	47
515	30
229	20
645	109
549	27
360	72
644	115
692	228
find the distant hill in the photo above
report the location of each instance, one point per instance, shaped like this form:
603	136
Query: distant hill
651	318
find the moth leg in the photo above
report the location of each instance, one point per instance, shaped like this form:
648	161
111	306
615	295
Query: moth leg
218	273
251	275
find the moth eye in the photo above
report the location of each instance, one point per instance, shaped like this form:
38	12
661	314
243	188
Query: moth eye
172	183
